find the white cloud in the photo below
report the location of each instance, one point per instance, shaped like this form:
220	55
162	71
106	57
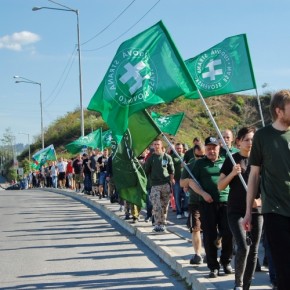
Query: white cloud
18	40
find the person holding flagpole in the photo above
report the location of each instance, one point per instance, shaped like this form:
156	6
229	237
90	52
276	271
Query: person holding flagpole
213	208
247	245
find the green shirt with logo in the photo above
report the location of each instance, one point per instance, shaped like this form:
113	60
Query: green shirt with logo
207	173
159	167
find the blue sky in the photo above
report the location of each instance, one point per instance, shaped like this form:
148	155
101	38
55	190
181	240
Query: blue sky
41	46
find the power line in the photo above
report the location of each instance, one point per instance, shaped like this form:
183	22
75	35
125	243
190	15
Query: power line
114	20
62	78
107	44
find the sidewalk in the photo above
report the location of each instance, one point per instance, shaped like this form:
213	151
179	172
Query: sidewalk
174	247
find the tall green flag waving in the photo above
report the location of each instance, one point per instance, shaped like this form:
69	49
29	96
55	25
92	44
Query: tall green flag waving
93	140
146	70
168	123
224	68
143	131
42	156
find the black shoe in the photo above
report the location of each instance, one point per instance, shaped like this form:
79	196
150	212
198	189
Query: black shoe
265	262
258	266
196	260
213	273
228	269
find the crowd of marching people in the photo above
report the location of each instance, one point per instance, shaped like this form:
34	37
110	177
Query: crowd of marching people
206	185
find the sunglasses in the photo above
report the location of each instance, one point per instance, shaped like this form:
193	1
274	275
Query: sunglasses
198	156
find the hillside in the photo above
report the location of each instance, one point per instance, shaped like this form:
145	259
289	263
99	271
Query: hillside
229	111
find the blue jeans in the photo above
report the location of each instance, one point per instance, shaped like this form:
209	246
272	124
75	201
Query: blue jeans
181	200
54	181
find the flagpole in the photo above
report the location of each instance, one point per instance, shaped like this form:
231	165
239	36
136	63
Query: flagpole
260	108
221	138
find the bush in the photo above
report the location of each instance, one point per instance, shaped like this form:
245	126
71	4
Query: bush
237	109
12	174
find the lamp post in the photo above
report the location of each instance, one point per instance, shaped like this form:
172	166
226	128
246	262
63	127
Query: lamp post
25	80
28	144
79	55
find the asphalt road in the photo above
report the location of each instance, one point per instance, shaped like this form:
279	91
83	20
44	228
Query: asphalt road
50	241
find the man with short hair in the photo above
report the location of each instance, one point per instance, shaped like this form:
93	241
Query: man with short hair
189	154
102	165
77	165
159	166
270	168
228	136
61	165
213	207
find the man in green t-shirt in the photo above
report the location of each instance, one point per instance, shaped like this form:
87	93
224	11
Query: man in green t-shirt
270	168
213	208
159	166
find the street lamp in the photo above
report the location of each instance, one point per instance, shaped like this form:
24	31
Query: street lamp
25	80
28	145
79	55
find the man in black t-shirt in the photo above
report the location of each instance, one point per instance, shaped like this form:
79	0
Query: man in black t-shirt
77	166
102	162
87	174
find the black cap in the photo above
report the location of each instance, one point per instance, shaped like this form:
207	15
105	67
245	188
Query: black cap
211	141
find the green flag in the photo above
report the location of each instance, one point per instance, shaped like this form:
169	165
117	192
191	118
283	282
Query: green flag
143	131
169	123
146	70
129	176
225	68
93	140
43	155
107	139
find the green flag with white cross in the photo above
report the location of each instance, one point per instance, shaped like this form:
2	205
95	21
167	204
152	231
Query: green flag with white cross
223	69
168	123
146	70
